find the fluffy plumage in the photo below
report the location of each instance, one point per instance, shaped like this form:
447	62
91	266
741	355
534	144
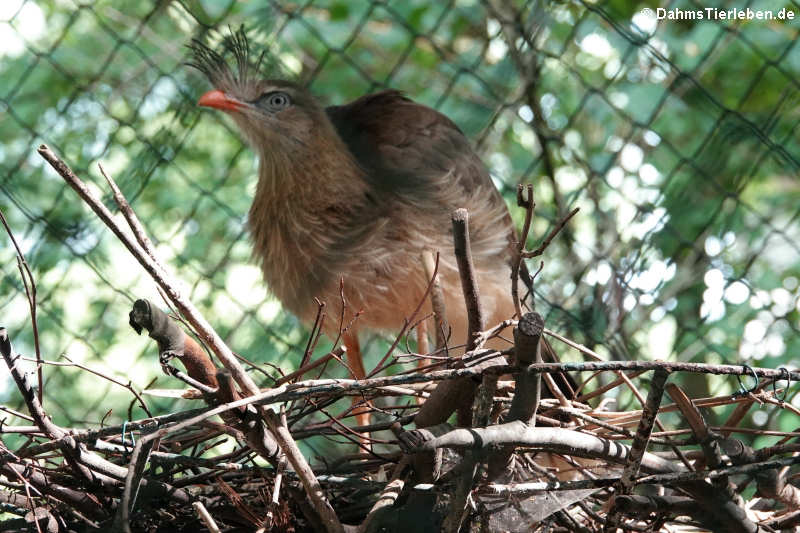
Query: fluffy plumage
358	192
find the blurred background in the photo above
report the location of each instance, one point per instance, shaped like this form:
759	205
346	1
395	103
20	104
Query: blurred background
678	140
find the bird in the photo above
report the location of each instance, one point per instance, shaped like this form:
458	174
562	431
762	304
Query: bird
350	196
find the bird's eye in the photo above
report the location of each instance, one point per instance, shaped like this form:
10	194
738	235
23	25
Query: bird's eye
276	100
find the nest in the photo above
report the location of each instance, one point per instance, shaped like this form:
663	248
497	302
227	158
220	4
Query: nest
533	448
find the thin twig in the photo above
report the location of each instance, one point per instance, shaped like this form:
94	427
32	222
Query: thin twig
431	266
30	292
546	242
130	216
406	323
128	386
529	204
154	269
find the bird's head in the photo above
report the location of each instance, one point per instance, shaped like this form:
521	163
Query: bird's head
274	114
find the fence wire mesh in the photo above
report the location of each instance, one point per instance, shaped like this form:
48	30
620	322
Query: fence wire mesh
678	140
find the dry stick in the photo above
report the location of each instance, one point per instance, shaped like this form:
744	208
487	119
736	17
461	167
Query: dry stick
22	430
334	386
494	331
16	413
785	522
605	388
128	386
527	350
556	440
771	483
698	425
586	351
750	468
199	385
672	366
133	221
529	204
88	436
87	465
139	457
70	448
482	402
337	353
388	496
339	428
738	414
177	421
316	331
153	267
29	503
437	299
668	478
466	271
276	487
639	444
201	325
30	292
325	428
525	403
708	442
576	413
423	346
343	386
546	242
284	438
721	429
304	472
723	512
249	423
632	417
580	347
75	499
658	423
204	515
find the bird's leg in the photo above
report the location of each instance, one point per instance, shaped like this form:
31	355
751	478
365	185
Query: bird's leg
356	364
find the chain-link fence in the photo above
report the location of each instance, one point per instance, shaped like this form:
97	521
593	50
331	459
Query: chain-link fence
677	139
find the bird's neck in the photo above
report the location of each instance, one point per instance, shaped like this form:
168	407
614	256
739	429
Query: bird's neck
308	176
301	196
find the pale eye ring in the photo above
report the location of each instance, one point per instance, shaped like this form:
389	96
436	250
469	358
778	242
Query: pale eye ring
278	100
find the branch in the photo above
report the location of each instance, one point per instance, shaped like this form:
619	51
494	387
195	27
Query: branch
529	204
30	292
546	242
639	445
431	266
466	270
156	271
527	391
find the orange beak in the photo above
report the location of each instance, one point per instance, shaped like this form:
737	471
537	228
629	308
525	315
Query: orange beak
220	100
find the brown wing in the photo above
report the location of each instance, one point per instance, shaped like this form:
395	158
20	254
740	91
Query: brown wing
415	154
404	145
